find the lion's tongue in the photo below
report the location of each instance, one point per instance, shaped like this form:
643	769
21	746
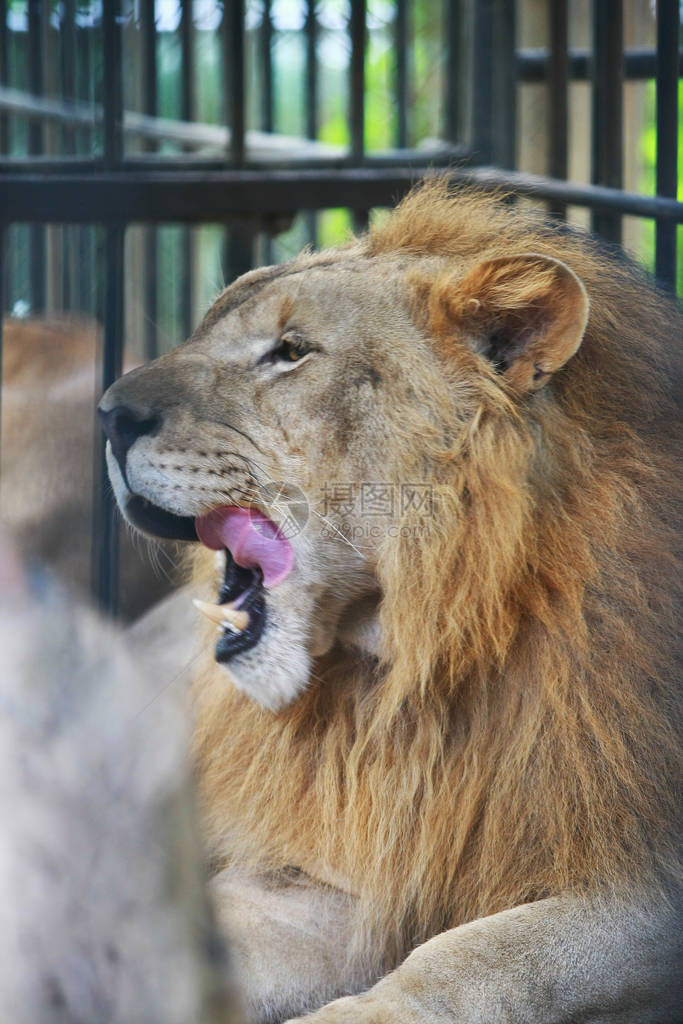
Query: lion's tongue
253	540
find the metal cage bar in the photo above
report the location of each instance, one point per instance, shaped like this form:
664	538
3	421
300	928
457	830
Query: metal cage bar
233	39
4	75
668	30
265	43
266	53
401	35
358	37
607	121
81	187
210	196
151	244
187	107
504	99
558	96
357	32
639	64
36	70
106	531
454	100
67	35
482	80
311	98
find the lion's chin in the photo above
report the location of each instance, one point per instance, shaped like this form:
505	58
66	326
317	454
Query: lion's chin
274	673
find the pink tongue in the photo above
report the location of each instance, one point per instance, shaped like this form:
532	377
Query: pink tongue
253	540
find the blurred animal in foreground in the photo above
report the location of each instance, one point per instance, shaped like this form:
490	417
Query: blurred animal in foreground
105	914
47	460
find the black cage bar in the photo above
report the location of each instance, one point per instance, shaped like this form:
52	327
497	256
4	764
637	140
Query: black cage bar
73	153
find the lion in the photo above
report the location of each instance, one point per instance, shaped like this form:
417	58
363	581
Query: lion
436	738
48	459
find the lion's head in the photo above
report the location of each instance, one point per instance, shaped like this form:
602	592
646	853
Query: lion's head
329	389
471	643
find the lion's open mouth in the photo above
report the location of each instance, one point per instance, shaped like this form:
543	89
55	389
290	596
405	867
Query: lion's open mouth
257	556
241	610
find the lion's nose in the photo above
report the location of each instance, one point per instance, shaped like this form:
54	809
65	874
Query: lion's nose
123	427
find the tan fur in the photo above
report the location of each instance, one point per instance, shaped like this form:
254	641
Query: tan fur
519	739
49	387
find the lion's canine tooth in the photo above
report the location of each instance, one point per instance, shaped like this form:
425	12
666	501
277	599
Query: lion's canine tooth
223	615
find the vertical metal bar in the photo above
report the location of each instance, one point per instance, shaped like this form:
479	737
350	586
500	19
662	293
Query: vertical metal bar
402	79
84	137
106	532
453	127
3	239
311	98
267	114
150	94
607	128
266	42
186	60
84	81
149	60
36	64
237	251
558	96
311	91
504	68
233	41
4	74
67	35
106	528
112	91
36	69
238	243
482	81
358	35
187	113
668	29
357	79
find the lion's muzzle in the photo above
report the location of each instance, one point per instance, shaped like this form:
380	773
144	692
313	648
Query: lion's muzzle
123	427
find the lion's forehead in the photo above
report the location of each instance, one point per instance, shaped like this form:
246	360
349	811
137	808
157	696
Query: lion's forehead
335	290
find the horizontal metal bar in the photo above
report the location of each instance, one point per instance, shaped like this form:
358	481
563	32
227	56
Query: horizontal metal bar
532	64
123	197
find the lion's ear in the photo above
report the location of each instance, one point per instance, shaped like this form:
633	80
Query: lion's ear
525	313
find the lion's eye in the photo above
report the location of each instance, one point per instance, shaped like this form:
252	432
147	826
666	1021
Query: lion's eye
290	350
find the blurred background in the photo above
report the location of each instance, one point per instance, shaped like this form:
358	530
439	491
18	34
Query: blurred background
152	150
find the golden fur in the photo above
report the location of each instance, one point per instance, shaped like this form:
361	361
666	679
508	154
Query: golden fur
520	739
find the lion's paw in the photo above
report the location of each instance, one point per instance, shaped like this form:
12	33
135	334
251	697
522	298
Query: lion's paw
370	1008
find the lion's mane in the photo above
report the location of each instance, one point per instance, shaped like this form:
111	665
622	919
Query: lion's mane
521	738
